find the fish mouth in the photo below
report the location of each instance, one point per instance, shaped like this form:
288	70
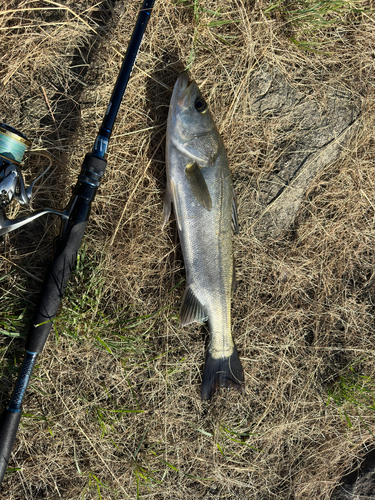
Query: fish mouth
181	91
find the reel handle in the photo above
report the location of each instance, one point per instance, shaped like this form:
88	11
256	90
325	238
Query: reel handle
7	225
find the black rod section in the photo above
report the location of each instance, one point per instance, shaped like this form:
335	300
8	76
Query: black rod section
101	143
67	245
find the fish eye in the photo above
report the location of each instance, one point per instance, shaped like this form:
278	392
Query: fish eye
200	104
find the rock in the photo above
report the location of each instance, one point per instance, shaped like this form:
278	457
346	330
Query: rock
309	136
360	484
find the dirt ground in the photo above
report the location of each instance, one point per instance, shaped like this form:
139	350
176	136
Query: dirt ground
113	410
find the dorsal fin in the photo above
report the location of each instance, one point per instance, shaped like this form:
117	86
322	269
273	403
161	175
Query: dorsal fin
235	226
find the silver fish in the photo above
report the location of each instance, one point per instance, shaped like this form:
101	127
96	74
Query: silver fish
199	184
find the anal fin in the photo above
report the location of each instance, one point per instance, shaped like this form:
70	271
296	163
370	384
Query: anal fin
191	309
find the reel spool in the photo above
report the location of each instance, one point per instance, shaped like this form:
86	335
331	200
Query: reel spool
13	144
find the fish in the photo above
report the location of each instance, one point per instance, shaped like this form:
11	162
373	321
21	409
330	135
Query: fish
199	185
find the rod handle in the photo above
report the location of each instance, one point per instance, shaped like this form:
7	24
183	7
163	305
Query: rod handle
9	423
65	254
54	287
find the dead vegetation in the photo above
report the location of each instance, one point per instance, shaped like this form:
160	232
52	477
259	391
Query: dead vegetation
113	410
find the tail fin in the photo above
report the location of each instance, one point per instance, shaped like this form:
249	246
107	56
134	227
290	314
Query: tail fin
222	372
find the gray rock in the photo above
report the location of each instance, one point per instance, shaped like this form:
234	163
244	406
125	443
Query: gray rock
360	484
309	135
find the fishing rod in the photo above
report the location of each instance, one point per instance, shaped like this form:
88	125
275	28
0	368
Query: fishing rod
74	219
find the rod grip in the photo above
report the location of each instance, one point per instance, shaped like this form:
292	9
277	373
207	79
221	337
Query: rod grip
9	423
66	250
54	286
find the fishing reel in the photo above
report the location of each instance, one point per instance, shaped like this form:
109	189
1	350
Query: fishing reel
13	145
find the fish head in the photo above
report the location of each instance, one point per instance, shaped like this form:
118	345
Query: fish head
190	123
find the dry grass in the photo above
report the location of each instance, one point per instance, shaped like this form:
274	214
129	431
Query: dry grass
113	410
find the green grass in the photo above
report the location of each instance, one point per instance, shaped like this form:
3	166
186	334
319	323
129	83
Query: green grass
207	24
354	396
85	313
95	486
13	312
317	23
317	14
122	333
226	437
11	325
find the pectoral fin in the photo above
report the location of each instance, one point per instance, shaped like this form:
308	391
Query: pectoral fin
198	185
